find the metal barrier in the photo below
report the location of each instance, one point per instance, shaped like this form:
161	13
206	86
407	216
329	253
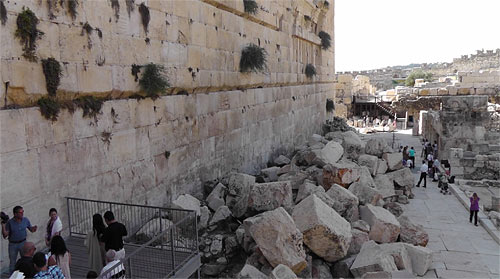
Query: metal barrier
160	240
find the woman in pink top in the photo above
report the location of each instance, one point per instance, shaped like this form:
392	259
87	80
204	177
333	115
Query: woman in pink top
474	208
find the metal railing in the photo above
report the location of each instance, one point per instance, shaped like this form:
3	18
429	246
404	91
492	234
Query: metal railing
160	240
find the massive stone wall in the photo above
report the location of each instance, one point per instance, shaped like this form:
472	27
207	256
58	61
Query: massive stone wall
145	151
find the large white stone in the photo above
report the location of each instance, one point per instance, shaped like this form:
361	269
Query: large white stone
239	187
377	147
369	161
365	194
421	258
326	233
403	177
305	189
343	173
282	272
365	177
269	196
353	146
400	255
250	272
331	153
382	166
216	198
278	238
221	214
372	258
187	202
412	233
384	227
358	239
394	160
281	161
345	202
384	185
270	174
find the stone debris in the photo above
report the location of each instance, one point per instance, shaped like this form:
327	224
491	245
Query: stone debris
221	214
278	238
382	166
353	145
281	161
394	160
216	198
325	232
358	239
345	202
330	154
377	147
187	202
400	255
371	259
361	225
384	227
270	174
421	258
282	272
384	185
412	233
204	217
344	172
370	161
305	190
336	124
365	194
269	196
320	269
250	272
342	268
239	187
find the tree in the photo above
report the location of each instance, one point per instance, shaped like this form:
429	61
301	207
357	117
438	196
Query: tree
410	80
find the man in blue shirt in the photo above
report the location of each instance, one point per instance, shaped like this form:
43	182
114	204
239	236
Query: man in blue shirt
15	230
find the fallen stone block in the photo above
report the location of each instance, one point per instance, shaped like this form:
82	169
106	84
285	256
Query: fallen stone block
305	189
358	238
330	154
342	268
400	255
372	258
384	227
370	161
361	225
269	196
325	232
403	177
353	146
421	258
345	202
221	214
270	174
250	272
282	272
382	166
365	177
204	217
295	177
412	233
377	147
343	173
320	269
187	202
216	197
377	275
281	161
394	160
365	194
384	185
239	187
395	208
278	238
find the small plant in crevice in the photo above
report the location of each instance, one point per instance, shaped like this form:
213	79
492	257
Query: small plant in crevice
251	7
130	6
52	72
90	105
325	40
28	33
307	18
50	6
310	70
153	80
87	28
326	4
330	106
3	12
72	5
49	108
136	69
106	137
116	7
145	16
167	154
253	59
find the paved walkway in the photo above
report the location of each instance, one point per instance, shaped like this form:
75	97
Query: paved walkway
461	250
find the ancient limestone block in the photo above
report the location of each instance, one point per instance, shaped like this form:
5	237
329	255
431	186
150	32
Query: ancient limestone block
400	255
394	160
343	173
384	227
403	177
281	161
345	202
204	217
282	272
331	153
269	196
250	272
358	238
216	198
320	269
365	177
384	185
13	135
369	161
155	227
382	166
412	233
394	208
222	213
187	202
353	146
296	178
365	194
305	189
377	147
326	233
342	268
421	258
239	187
278	238
372	258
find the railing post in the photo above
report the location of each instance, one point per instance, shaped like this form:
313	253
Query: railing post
161	228
173	247
130	268
69	216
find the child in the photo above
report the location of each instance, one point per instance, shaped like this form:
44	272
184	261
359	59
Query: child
474	208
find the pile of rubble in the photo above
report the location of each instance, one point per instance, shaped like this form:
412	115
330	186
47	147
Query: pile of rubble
337	124
332	210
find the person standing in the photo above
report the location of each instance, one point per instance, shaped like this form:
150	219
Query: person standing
116	269
60	255
15	230
25	263
113	235
405	155
412	156
95	243
54	226
474	208
423	174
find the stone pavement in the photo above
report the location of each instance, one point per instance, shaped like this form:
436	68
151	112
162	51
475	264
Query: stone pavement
461	250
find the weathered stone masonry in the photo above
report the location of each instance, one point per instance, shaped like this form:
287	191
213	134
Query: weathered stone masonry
148	151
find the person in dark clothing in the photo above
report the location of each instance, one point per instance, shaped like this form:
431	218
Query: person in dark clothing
423	174
113	235
474	208
25	263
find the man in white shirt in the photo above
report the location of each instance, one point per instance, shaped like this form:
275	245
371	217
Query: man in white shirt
118	270
423	174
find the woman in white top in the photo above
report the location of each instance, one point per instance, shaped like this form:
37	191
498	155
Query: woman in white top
54	226
60	255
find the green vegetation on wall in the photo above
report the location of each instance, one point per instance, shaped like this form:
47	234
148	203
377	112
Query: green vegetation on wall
325	40
251	7
49	108
253	59
52	71
145	16
419	74
310	70
153	80
28	33
90	105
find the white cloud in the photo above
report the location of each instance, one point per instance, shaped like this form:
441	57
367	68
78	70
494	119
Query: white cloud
372	34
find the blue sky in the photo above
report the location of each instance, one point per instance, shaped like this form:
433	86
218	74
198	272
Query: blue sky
372	34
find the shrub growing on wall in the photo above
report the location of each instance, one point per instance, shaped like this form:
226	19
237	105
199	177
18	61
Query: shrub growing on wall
251	7
410	80
72	4
28	33
90	105
253	59
49	108
3	13
52	72
310	70
145	16
325	40
153	80
330	106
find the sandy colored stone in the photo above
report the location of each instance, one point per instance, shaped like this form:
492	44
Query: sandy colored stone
384	227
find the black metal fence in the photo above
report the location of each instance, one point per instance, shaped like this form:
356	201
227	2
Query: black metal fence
160	240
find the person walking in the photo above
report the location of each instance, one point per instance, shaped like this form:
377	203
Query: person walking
54	226
15	230
95	243
25	263
405	155
113	235
423	174
474	208
60	255
412	156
